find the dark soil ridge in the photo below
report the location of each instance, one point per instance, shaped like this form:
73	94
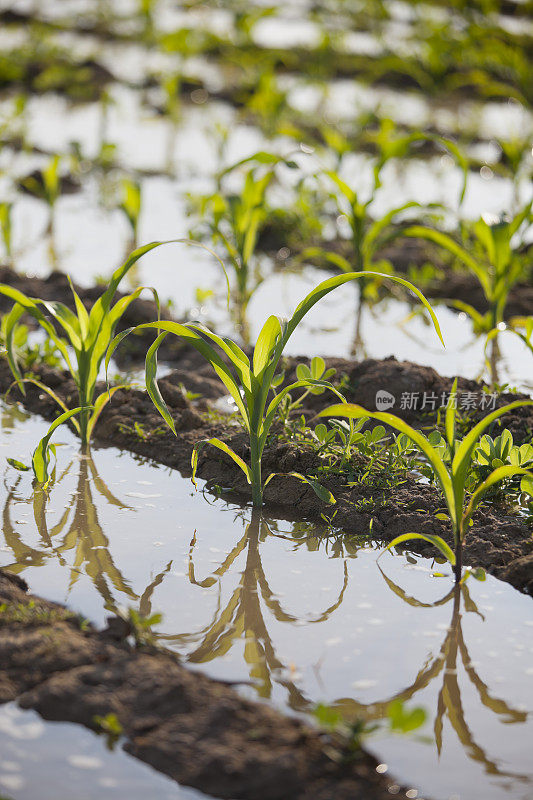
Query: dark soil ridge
196	730
499	541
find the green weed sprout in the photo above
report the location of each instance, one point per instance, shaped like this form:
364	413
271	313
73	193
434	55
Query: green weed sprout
249	384
492	257
87	334
453	473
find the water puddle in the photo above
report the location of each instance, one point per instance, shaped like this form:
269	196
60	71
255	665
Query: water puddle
58	761
298	617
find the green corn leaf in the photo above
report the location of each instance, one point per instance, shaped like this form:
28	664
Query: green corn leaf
336	259
371	238
151	383
17	464
41	456
449	244
439	543
83	316
44	388
225	449
479	320
330	284
187	333
266	341
449	422
497	476
67	319
321	492
343	187
99	404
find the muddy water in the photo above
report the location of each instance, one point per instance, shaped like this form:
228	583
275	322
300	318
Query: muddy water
59	761
299	618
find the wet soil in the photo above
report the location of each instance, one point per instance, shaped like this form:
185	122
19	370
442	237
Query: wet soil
198	731
499	541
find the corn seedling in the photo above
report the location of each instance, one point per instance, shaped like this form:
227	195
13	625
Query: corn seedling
233	221
87	334
130	205
493	258
367	235
171	85
249	383
49	190
451	473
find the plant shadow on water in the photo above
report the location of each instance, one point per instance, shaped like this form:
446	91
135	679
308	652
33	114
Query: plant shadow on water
252	619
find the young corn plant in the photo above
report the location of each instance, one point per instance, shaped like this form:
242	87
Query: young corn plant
368	236
233	222
171	85
49	190
130	205
248	382
81	338
452	470
490	252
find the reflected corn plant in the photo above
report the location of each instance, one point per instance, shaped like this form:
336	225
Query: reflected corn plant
77	539
444	667
245	617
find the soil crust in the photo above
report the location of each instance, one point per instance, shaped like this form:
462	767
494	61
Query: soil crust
198	731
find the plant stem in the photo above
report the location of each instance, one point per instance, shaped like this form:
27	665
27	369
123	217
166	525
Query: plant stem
494	358
357	342
255	469
84	420
458	568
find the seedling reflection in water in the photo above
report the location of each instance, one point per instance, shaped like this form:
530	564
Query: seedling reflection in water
249	384
452	470
453	699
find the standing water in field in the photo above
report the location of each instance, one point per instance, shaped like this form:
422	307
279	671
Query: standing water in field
300	616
